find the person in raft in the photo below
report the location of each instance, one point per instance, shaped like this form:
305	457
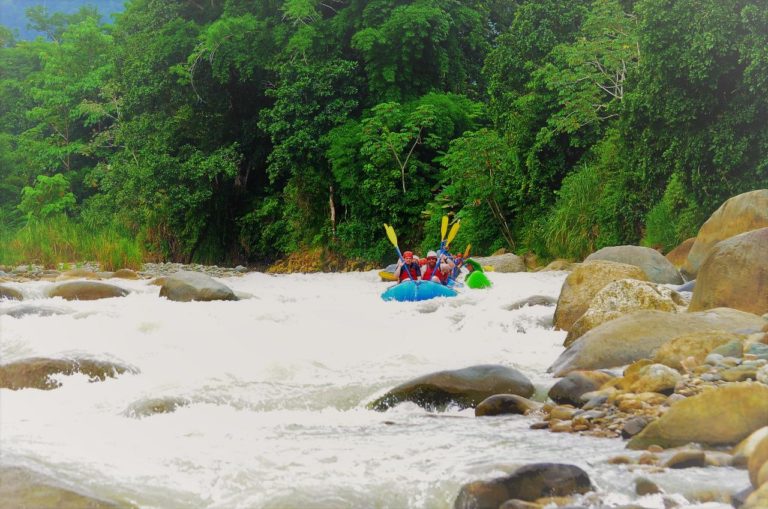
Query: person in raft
434	273
411	266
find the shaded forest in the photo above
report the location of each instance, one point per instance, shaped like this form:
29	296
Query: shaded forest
241	131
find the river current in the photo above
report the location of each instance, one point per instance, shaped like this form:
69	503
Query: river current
274	391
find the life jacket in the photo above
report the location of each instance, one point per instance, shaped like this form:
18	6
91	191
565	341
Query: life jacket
413	268
430	272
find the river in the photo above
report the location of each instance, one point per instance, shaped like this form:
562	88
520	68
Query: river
276	388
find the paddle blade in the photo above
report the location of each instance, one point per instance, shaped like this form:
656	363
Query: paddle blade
454	231
443	228
466	252
391	234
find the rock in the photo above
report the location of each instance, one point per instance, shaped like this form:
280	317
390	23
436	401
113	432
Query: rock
22	488
560	265
634	425
758	458
655	378
746	447
645	486
77	274
687	459
6	292
533	300
679	254
519	504
758	499
581	286
621	297
500	404
147	407
697	345
527	483
655	266
186	286
638	334
507	262
569	390
720	416
34	373
463	387
735	275
739	214
125	274
86	290
688	286
33	309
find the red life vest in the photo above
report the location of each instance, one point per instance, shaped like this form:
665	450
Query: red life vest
413	268
430	272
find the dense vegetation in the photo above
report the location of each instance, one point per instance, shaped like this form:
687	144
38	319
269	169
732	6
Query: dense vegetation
235	131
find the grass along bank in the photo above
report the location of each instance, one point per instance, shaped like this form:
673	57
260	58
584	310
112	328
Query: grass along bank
61	240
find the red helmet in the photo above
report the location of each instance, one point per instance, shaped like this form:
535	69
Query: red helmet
408	254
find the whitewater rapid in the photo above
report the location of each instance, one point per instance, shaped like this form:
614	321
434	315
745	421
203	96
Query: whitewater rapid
274	391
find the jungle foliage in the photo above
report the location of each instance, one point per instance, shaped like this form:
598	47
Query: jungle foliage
241	131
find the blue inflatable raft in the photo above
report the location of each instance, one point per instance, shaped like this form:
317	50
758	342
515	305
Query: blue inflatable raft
417	290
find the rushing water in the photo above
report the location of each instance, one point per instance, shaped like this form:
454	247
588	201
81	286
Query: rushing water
276	389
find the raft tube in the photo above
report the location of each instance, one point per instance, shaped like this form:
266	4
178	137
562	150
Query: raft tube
409	291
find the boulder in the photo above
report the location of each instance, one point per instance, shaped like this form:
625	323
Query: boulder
568	390
735	275
500	404
758	499
35	373
33	309
583	283
679	254
186	286
560	265
125	274
621	297
533	300
653	264
77	274
720	416
655	378
507	262
697	345
527	483
758	458
152	406
6	292
23	488
86	290
739	214
639	334
463	387
743	451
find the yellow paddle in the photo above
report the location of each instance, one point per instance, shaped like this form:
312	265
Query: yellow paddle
393	239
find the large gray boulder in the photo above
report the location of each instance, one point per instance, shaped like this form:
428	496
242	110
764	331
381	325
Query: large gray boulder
735	274
506	262
583	283
739	214
654	264
186	286
638	335
86	290
465	387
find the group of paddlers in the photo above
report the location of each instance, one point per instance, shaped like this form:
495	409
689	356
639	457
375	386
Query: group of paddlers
436	268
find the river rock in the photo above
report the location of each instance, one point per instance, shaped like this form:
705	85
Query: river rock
186	286
742	452
35	373
568	390
758	458
638	335
527	483
583	283
21	488
739	214
33	309
720	416
697	345
688	458
506	262
500	404
86	290
560	265
126	274
657	268
152	406
621	297
6	292
758	499
463	387
655	378
77	274
533	300
679	254
735	275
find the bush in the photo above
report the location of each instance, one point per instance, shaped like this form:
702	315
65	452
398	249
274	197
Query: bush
673	219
